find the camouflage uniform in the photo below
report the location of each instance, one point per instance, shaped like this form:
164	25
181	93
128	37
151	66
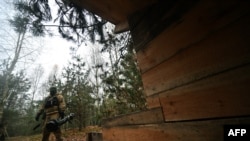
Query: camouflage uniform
53	107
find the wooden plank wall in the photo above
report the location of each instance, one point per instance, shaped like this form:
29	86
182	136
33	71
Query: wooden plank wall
151	116
203	44
197	71
209	130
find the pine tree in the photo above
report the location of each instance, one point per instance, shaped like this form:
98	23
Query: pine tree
122	84
75	23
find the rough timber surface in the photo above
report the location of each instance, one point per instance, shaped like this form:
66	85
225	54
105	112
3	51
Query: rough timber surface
223	50
210	130
151	116
207	17
223	95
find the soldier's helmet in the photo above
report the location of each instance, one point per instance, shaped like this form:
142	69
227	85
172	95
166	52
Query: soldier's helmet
53	90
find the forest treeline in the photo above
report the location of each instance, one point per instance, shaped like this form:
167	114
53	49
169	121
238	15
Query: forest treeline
107	85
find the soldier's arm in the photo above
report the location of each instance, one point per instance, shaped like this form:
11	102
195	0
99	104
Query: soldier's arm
40	112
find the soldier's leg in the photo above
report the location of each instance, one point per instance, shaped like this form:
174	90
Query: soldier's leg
46	134
58	135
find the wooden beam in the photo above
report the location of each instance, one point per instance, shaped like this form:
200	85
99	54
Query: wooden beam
151	116
121	27
224	95
211	130
114	11
220	51
153	101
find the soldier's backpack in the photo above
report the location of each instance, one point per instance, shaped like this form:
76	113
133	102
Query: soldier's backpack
50	102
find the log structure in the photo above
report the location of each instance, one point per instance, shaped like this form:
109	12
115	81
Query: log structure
195	61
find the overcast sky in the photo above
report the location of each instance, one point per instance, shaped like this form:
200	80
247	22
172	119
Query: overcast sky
55	50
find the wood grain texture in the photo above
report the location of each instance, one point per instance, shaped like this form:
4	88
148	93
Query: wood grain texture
151	116
151	21
153	101
223	50
211	130
224	95
207	17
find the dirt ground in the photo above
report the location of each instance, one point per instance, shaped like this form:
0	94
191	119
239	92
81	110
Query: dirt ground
68	135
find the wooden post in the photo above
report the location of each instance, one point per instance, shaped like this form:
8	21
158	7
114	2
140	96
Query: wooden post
94	136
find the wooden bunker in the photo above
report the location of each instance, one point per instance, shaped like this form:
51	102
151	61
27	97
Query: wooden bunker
194	56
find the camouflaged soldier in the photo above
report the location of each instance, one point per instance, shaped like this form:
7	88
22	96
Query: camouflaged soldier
53	108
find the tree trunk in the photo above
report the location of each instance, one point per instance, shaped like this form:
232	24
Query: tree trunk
9	71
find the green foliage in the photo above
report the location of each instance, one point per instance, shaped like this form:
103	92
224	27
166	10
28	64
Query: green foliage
14	98
28	18
119	85
122	84
77	91
16	108
19	23
75	23
131	85
36	9
18	123
18	87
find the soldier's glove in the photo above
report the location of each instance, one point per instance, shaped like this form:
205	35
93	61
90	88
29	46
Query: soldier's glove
37	116
61	114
